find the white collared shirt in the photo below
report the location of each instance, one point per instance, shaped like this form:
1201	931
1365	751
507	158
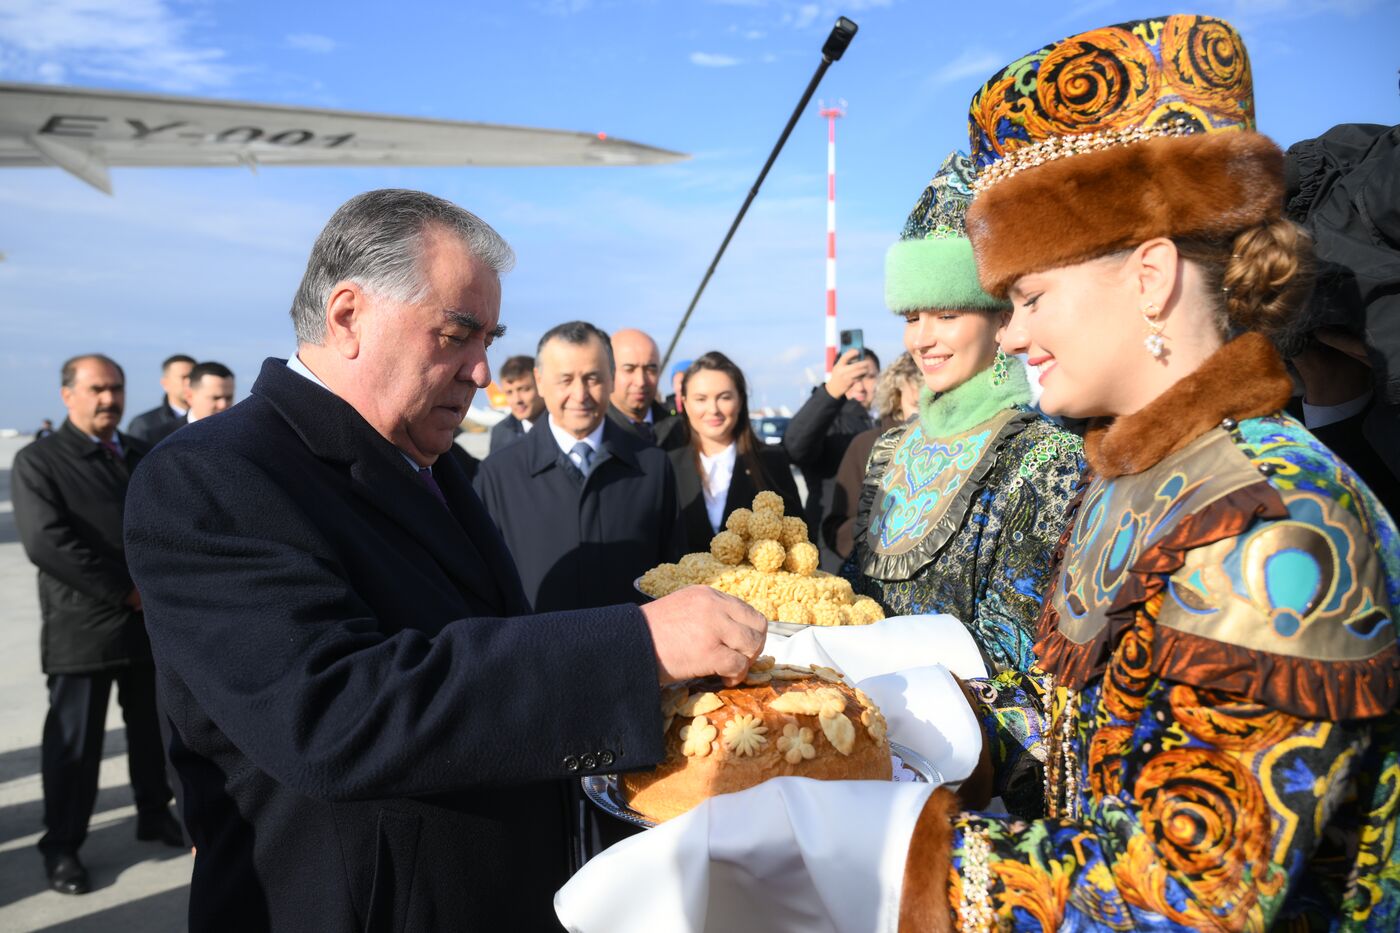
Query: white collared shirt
179	412
295	364
566	441
718	474
526	424
1319	416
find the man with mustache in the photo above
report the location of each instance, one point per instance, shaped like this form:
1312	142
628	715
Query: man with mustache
69	489
374	730
585	505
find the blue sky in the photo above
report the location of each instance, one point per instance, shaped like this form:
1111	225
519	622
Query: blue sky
204	261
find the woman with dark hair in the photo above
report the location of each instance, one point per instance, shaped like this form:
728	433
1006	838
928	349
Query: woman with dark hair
720	463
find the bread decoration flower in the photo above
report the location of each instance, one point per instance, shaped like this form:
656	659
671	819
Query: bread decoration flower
796	743
697	737
744	735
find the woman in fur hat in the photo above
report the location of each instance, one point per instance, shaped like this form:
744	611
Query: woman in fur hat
960	508
1218	716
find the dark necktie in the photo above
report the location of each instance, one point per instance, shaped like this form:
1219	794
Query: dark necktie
112	449
426	475
645	429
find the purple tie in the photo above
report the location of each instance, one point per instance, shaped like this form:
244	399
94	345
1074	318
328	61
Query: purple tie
426	475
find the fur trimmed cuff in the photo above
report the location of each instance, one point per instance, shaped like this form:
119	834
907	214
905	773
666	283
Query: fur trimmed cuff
924	905
1084	206
935	273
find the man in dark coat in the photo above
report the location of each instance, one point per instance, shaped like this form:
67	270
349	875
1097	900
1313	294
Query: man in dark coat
818	435
368	739
160	422
69	489
637	373
517	381
585	506
1344	188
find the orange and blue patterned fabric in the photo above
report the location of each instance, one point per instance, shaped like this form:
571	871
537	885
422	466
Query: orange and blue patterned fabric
1255	786
1139	75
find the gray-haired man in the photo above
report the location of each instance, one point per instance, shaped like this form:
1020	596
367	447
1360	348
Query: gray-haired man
373	730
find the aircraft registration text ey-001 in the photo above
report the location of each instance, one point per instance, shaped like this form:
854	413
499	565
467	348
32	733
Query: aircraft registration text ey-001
90	127
86	131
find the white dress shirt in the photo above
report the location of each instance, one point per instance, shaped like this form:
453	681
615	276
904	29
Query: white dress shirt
566	442
718	474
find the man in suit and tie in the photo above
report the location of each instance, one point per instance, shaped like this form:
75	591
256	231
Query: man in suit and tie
373	731
517	380
155	425
69	489
634	406
584	505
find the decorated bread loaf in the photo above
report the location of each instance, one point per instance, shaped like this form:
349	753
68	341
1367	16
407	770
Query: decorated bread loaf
784	720
765	559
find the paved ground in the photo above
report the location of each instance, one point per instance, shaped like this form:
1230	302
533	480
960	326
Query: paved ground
138	886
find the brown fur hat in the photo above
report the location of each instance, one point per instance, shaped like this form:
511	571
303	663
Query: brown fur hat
1088	205
1114	136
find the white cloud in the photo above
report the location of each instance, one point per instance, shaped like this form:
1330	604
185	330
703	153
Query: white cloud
311	42
712	60
141	41
804	15
973	63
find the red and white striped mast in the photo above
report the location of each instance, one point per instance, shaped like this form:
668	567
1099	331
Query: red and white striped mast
831	114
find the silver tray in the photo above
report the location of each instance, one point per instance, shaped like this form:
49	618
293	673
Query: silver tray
606	795
774	628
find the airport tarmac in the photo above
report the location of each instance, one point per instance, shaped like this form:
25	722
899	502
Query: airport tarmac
137	886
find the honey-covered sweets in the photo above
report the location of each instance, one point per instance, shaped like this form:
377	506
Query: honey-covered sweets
766	559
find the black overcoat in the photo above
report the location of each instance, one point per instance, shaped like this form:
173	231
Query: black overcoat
506	432
156	425
366	739
68	496
576	543
816	440
742	488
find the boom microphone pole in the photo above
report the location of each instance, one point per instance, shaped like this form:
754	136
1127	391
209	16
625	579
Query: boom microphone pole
841	35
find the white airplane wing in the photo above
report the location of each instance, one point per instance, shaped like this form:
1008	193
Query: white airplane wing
85	131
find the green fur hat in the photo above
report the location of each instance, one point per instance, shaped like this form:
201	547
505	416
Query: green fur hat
932	266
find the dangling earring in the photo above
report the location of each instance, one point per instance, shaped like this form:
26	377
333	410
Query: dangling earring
1153	342
1000	371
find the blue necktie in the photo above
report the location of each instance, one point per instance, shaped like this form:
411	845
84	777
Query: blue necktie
582	455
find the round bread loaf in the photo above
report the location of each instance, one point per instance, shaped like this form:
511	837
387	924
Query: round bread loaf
784	720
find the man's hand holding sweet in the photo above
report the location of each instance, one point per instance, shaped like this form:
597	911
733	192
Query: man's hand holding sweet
699	631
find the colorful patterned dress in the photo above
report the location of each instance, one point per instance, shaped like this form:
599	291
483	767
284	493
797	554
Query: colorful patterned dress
1221	676
960	511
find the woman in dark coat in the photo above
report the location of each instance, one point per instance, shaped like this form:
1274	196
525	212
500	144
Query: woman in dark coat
720	463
